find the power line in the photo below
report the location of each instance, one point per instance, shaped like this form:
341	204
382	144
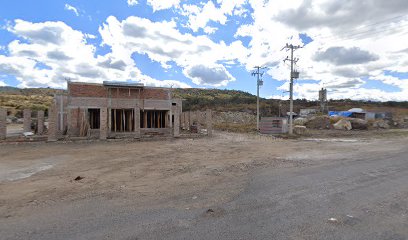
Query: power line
365	32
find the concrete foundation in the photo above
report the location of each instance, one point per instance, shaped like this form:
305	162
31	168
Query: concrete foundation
40	122
27	120
3	123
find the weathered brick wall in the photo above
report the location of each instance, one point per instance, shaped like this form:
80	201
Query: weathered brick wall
156	93
75	116
3	122
95	90
126	93
86	90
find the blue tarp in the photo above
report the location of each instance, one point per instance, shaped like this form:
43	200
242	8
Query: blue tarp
340	114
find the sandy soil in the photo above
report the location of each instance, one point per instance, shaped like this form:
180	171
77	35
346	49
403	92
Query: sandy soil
168	173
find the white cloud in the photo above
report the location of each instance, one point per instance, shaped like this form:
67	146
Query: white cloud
214	75
158	5
350	43
163	43
353	41
200	16
210	30
71	8
2	84
132	2
53	52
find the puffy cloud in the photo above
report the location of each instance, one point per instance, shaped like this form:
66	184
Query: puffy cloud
72	8
200	16
132	2
158	5
53	52
345	56
349	43
164	43
339	15
2	84
214	75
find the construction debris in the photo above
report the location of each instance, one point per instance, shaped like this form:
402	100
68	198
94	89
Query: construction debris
381	124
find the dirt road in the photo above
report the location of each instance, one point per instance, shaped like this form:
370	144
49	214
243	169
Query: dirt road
256	188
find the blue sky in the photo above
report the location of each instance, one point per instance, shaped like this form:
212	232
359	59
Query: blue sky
209	44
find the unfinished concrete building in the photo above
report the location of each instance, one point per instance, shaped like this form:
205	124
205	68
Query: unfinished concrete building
115	110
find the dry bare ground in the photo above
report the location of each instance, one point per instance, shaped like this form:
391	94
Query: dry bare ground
181	173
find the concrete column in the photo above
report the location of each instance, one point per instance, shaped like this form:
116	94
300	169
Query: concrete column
137	122
103	128
27	120
176	127
52	123
182	120
209	122
40	122
171	118
3	123
189	120
197	117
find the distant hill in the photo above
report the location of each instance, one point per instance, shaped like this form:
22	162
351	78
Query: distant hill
16	99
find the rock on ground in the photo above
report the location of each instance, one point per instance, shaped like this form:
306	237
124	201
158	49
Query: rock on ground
342	124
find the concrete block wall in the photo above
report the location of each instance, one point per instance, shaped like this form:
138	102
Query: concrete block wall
40	122
203	118
27	120
3	123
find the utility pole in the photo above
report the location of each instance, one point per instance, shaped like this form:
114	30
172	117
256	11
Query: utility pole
259	82
293	75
